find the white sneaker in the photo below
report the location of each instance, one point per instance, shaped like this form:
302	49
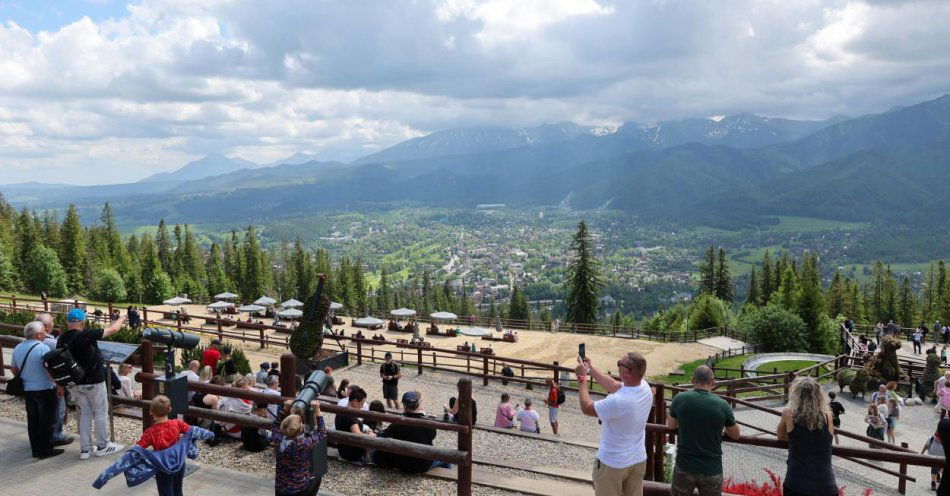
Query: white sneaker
84	455
110	449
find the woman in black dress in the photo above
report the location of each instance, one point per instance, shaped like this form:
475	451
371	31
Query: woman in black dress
807	426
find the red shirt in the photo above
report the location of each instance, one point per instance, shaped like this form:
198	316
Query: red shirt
163	434
210	358
552	397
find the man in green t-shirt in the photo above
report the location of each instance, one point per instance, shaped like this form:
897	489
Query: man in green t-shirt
700	417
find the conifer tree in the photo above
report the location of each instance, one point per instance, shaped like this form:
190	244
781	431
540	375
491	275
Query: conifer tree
358	281
786	296
51	233
754	295
27	239
384	302
878	289
304	278
723	284
707	272
73	257
766	281
218	280
518	309
253	267
45	274
164	246
811	304
906	303
583	279
426	292
836	296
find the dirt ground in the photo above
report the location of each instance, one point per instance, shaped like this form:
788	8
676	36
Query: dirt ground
540	346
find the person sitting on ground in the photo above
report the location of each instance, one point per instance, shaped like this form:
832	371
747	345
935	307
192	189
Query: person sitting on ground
505	413
934	447
294	451
412	403
204	400
451	411
273	369
262	373
272	388
347	422
529	418
226	366
252	381
126	389
343	392
836	410
376	425
700	418
234	405
807	426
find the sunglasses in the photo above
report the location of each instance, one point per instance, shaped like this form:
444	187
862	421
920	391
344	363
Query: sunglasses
621	364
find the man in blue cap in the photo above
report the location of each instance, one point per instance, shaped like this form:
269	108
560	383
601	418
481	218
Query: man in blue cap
89	393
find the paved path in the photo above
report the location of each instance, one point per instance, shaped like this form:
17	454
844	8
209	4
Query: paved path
66	474
722	342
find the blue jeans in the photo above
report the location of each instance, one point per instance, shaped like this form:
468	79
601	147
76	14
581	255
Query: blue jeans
58	420
170	484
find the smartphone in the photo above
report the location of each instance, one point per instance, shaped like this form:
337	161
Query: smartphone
582	350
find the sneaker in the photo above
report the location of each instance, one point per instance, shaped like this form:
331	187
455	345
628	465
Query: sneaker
52	453
84	455
110	449
64	441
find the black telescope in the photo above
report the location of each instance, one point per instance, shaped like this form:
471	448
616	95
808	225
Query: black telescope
174	339
301	406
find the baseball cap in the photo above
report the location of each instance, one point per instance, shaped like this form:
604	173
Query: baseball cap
76	315
411	400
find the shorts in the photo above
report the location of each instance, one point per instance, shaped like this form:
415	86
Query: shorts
391	392
891	422
552	413
836	422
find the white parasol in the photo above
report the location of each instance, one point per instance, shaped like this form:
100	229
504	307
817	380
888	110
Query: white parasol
403	312
292	303
178	300
265	301
225	296
251	308
290	313
368	322
444	316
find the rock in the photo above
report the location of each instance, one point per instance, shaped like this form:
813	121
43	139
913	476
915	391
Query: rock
910	402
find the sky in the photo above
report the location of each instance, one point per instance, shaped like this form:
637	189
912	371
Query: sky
108	91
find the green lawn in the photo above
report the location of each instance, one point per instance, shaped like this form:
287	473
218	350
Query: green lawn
806	224
785	366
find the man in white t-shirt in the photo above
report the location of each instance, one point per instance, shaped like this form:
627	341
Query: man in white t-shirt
621	457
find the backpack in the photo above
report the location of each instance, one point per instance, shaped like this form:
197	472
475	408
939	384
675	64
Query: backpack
63	368
560	397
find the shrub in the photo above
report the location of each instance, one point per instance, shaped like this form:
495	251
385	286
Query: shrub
109	286
776	328
859	384
844	378
708	311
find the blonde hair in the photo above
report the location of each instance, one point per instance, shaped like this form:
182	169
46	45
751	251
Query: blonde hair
239	382
206	374
808	403
291	426
160	406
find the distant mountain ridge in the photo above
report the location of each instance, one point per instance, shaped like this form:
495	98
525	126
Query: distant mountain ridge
210	165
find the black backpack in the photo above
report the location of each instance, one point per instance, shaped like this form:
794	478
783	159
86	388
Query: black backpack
63	368
560	397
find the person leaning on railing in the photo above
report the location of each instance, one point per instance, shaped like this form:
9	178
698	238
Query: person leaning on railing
293	447
807	425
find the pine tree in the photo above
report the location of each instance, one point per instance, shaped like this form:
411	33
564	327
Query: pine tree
906	305
766	281
191	259
707	273
754	296
426	292
253	267
583	279
73	257
384	302
811	303
786	296
118	257
878	288
218	280
518	310
303	272
164	246
942	290
359	288
890	296
836	296
26	241
723	284
51	233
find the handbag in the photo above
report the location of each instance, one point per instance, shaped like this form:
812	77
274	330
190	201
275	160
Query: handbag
15	385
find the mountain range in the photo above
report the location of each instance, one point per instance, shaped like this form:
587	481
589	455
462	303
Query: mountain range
739	168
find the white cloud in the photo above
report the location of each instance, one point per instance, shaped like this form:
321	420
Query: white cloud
172	80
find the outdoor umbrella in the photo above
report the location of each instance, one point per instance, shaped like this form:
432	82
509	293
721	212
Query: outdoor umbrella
368	322
178	300
444	316
220	305
292	303
225	296
250	308
265	300
403	312
290	313
336	306
475	331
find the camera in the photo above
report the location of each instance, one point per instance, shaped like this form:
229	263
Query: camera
310	391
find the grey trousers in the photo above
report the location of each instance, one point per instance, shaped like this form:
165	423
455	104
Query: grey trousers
93	408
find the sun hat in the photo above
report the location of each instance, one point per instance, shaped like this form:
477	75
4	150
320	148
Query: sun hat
76	315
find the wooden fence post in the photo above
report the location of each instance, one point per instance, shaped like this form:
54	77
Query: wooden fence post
464	417
13	299
902	482
288	374
485	371
658	462
556	365
148	387
359	352
45	302
419	354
